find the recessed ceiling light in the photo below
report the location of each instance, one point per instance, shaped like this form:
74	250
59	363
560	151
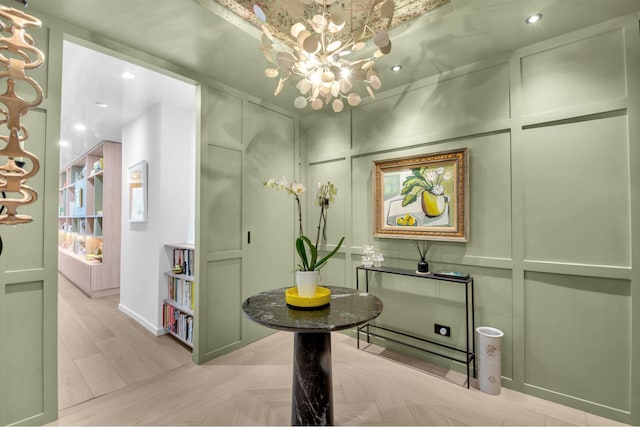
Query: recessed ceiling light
101	104
127	75
396	68
533	18
80	127
63	143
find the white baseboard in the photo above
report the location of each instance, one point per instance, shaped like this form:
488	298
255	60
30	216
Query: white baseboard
141	320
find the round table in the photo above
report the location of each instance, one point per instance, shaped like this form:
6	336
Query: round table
312	394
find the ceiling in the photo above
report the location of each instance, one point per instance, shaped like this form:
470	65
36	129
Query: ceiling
209	39
95	95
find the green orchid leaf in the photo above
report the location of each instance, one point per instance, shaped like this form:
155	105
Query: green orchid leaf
321	263
302	253
312	250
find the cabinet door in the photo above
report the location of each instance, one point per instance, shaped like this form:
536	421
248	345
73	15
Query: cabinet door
244	144
269	214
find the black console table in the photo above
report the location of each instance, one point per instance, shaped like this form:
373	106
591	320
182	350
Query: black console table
468	352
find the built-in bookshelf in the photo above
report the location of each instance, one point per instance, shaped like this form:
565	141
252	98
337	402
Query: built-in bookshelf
88	226
178	308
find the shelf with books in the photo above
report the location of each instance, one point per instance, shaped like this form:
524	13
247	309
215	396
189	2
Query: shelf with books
179	325
89	220
178	308
181	289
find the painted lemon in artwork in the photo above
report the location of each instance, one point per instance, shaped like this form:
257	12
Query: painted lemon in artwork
407	219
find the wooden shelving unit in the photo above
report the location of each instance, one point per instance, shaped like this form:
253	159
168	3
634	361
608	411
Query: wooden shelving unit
88	226
178	308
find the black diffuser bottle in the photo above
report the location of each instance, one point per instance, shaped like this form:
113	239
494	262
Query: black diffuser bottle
423	266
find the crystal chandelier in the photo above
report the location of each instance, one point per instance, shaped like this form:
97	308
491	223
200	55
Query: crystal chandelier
320	53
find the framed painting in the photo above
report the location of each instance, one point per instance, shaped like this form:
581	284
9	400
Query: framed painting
423	197
137	183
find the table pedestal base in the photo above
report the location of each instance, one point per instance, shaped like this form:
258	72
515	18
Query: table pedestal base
312	397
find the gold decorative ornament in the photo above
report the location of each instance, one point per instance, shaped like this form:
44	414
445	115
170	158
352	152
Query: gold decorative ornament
18	55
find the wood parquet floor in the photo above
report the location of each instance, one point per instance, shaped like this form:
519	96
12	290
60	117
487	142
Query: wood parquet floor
151	382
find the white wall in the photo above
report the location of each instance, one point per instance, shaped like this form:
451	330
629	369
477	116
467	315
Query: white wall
165	137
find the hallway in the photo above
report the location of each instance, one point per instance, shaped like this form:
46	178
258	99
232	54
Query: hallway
101	350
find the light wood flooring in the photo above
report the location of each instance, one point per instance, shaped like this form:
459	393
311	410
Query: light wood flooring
101	350
148	381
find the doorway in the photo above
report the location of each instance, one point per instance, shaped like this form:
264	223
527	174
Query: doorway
114	338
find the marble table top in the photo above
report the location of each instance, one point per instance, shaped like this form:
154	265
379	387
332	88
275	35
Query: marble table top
347	308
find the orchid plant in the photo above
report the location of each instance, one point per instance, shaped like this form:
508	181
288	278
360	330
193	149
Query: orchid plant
308	251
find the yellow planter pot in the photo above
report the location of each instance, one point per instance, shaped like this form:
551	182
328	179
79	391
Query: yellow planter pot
432	205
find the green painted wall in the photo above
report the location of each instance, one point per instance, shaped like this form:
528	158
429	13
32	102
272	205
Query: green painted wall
554	143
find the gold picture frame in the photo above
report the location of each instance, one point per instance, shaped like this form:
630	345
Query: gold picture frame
423	197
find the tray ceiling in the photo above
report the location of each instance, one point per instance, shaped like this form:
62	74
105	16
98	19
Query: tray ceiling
362	16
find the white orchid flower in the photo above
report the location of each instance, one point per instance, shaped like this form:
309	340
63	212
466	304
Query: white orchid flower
298	188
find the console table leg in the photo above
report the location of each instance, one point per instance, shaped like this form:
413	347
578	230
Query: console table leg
312	395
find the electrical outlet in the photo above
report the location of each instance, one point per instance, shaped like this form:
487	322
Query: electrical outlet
442	330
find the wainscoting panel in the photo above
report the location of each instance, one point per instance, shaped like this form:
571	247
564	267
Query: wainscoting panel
25	350
225	113
224	201
577	337
473	98
222	315
569	75
577	193
327	133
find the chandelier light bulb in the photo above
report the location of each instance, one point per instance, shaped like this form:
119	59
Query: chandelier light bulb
314	78
321	53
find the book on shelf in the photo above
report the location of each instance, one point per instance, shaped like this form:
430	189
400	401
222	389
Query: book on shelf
184	258
181	290
178	323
